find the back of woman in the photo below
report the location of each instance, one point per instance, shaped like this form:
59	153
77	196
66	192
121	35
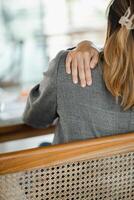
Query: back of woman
105	108
90	112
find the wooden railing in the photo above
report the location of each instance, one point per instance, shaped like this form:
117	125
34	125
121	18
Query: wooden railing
15	132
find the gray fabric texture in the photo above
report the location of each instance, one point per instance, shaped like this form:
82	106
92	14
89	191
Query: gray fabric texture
81	113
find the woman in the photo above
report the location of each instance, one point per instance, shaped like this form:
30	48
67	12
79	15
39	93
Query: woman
105	108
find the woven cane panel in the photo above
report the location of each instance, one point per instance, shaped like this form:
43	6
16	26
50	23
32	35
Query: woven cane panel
110	178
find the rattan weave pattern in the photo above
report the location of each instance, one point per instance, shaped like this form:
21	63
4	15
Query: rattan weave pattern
108	178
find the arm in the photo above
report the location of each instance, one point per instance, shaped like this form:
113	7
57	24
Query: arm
80	61
41	107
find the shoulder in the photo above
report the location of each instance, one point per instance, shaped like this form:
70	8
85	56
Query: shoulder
55	64
61	59
97	72
60	56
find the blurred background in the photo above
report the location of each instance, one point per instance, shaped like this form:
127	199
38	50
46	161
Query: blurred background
31	33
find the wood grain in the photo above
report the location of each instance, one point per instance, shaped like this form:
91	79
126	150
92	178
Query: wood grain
15	132
52	155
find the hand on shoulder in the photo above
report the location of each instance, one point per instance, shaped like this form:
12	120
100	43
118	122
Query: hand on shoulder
80	61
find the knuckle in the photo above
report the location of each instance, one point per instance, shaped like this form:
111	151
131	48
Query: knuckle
82	77
81	67
74	67
86	54
74	77
83	80
87	68
74	72
88	76
79	54
88	79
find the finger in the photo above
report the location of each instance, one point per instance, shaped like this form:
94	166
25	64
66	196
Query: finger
88	76
87	60
94	61
81	71
74	71
68	63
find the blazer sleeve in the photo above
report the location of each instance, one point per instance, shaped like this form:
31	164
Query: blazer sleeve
41	107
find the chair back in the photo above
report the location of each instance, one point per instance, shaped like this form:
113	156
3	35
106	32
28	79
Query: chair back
95	169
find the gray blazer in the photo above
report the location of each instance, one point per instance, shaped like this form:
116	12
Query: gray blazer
82	113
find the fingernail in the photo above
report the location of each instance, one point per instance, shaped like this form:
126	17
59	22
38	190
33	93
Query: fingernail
68	72
83	85
89	83
75	81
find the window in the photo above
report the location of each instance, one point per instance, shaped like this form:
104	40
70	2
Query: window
31	33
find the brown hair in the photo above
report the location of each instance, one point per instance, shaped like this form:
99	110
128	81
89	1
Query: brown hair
118	71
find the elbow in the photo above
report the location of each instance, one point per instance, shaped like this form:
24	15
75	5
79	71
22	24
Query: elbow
29	119
36	121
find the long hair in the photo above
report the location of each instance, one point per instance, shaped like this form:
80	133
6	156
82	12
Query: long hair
118	71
